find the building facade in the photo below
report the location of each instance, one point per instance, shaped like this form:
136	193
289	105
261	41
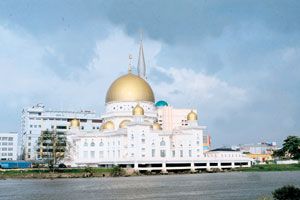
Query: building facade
133	131
139	133
9	146
260	152
37	119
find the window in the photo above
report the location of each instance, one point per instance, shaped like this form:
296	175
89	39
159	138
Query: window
173	153
153	152
143	140
29	143
92	154
85	154
101	144
162	153
100	154
92	144
85	143
162	143
119	153
10	139
190	153
181	153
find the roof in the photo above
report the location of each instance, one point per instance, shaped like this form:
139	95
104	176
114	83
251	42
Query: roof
161	103
223	149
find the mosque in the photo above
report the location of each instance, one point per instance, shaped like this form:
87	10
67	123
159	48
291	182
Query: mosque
138	133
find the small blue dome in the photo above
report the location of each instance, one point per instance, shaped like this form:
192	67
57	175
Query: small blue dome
161	103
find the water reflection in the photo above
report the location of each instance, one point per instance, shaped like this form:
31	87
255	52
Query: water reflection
198	186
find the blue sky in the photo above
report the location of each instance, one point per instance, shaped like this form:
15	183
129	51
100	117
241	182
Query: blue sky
237	62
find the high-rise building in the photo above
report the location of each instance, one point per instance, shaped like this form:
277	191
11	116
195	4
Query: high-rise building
37	118
8	146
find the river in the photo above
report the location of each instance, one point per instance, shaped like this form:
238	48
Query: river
225	186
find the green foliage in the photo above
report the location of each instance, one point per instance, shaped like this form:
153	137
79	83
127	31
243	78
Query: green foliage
288	192
117	171
290	149
271	167
52	147
89	170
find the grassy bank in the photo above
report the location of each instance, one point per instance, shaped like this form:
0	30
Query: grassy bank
270	167
116	171
58	173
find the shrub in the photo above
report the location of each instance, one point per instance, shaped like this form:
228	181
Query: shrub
117	171
288	192
89	171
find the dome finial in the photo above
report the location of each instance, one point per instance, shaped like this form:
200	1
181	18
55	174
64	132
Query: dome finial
129	65
192	116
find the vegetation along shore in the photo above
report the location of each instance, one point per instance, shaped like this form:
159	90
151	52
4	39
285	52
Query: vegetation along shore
116	171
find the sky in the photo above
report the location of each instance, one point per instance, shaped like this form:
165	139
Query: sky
236	62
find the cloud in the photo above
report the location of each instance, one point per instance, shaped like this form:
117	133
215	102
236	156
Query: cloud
28	75
190	88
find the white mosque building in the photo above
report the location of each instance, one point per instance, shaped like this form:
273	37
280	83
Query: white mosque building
133	134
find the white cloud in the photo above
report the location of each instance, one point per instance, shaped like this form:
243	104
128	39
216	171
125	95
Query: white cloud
28	78
197	90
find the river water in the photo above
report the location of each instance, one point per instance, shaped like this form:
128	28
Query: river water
231	186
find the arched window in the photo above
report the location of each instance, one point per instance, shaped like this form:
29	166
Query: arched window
85	143
101	144
162	143
92	144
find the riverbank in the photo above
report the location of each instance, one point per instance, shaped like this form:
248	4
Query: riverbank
58	173
270	167
116	171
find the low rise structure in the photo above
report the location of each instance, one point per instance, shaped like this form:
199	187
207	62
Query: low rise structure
261	152
8	146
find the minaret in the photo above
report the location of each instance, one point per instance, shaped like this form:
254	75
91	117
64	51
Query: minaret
129	65
141	67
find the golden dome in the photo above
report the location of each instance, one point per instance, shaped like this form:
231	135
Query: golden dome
109	125
192	116
138	110
75	123
124	123
156	126
129	87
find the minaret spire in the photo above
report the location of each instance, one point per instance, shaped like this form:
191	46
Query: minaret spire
129	65
141	67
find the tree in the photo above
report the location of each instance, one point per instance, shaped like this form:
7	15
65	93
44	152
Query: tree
287	192
52	147
290	149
